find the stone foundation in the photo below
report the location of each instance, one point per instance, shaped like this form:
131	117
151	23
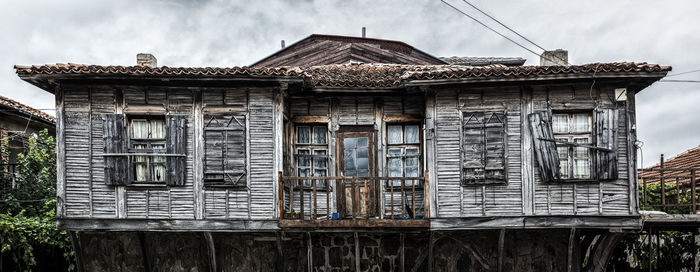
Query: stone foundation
522	250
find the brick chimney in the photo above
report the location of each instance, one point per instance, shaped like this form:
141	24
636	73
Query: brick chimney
146	59
555	57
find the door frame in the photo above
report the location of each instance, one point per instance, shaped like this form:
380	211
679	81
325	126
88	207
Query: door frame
357	131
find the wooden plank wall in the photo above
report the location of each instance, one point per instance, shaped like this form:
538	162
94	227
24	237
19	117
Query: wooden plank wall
523	188
86	194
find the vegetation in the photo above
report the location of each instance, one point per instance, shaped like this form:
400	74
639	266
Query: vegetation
27	208
670	251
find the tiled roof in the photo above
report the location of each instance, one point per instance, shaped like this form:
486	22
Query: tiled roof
24	109
484	60
687	159
352	75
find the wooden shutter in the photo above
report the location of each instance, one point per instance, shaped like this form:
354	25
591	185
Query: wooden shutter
473	160
483	147
175	144
116	167
545	148
606	138
225	150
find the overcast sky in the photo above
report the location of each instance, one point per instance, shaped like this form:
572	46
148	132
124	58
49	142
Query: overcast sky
237	33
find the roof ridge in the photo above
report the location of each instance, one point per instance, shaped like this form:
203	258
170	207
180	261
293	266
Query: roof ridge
22	108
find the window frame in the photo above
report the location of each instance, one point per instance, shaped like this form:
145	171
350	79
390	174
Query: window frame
571	136
403	146
132	142
486	182
312	147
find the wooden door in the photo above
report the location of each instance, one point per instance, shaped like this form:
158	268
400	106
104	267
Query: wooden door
357	197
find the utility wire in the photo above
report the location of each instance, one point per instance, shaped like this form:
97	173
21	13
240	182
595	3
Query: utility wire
683	73
511	30
680	80
499	33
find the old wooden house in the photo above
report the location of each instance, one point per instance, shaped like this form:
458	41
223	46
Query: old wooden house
343	153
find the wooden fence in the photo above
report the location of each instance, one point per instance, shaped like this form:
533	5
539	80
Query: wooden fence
672	190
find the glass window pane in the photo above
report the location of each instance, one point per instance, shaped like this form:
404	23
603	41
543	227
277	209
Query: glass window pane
581	123
158	173
411	134
303	135
350	173
411	151
411	161
364	173
303	161
394	151
581	152
139	129
362	163
395	163
157	129
564	168
362	153
158	146
304	172
581	169
349	142
320	135
560	123
411	172
395	134
349	158
320	162
362	141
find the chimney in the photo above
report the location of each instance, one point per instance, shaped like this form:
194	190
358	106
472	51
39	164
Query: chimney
364	32
282	43
555	57
146	59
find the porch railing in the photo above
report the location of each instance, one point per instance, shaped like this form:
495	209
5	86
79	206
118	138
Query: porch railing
335	198
672	190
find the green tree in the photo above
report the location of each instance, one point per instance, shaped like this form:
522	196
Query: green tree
27	209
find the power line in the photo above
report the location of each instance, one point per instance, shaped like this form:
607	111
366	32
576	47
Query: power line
680	81
489	28
683	73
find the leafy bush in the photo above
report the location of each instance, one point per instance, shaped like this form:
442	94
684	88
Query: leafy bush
27	209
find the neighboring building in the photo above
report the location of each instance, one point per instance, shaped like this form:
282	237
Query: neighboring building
18	122
398	163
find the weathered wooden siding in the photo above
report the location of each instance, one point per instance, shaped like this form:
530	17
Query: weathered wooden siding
569	198
87	195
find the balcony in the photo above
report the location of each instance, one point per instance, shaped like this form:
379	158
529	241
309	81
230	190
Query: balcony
353	202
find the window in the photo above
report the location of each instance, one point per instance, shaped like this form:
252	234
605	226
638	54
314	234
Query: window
483	148
403	152
565	144
312	153
147	135
574	160
225	151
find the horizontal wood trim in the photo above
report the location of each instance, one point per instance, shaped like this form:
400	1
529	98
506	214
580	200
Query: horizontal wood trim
143	154
145	109
370	223
536	222
311	119
402	118
166	225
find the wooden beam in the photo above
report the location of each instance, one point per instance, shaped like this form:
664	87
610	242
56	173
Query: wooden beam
166	225
402	118
61	156
311	119
535	222
373	223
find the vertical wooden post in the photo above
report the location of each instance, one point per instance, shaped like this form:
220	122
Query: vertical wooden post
313	183
354	196
291	195
678	192
328	200
367	196
413	197
645	184
280	195
391	198
661	181
301	199
692	193
403	198
427	196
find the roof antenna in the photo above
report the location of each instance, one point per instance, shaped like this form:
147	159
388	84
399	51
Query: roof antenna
364	32
282	44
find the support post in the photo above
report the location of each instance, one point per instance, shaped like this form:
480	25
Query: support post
280	194
663	186
694	201
501	243
427	195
